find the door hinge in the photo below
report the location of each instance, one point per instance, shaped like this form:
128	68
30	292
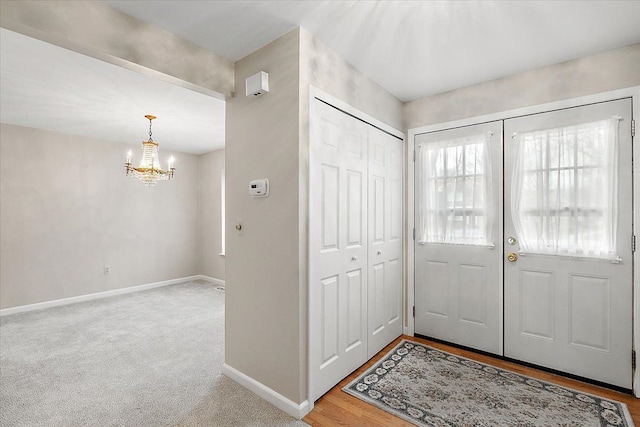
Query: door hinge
633	243
414	315
414	156
633	359
633	133
414	234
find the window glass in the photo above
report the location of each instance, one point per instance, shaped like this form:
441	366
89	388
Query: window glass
564	190
453	192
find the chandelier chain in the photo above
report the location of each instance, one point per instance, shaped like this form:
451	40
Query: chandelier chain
150	138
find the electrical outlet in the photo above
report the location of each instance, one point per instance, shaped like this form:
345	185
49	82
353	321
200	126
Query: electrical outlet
106	270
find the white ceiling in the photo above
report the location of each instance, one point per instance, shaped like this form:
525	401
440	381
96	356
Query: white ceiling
411	48
47	87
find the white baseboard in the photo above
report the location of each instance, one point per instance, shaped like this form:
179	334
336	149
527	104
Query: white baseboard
98	295
211	280
276	399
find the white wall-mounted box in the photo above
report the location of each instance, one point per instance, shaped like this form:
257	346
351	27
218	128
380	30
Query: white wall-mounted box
257	84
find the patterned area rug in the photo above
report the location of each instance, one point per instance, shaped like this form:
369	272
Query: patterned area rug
429	387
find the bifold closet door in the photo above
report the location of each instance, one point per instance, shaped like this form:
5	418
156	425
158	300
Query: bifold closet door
355	244
385	240
337	246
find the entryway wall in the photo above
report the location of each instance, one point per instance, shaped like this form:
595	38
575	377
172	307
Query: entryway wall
603	72
633	92
613	73
266	266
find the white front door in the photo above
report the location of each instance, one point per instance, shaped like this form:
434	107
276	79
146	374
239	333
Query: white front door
568	212
385	240
458	236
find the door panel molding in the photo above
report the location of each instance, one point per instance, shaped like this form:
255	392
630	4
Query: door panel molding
537	286
595	293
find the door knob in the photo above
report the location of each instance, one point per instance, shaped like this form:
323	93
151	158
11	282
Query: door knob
512	240
512	257
354	258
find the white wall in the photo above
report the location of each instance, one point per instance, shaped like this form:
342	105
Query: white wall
212	264
67	210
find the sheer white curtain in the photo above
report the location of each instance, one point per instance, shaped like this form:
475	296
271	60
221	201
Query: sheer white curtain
453	191
564	190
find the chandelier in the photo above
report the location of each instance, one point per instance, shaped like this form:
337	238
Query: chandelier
149	170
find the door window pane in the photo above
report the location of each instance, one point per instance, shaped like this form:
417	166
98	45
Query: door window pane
564	191
453	191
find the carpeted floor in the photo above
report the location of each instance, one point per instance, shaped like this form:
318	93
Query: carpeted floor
150	358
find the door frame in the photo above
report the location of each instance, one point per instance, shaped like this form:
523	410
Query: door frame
315	93
631	92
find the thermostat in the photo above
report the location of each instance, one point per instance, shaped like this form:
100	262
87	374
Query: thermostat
259	188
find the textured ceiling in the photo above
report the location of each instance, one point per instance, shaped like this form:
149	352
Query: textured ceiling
411	48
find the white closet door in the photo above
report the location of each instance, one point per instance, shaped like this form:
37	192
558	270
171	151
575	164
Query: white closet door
385	240
458	260
565	308
337	246
355	244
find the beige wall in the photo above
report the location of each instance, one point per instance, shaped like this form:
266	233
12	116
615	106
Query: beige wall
67	210
326	70
615	69
100	31
211	166
63	254
262	297
267	137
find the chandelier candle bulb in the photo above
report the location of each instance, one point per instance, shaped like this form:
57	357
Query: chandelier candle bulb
129	156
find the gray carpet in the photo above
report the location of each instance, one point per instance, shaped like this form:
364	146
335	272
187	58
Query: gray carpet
150	358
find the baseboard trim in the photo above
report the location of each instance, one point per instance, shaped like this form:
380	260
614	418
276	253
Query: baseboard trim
276	399
211	280
98	295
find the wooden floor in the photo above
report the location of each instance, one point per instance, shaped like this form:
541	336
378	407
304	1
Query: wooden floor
337	408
